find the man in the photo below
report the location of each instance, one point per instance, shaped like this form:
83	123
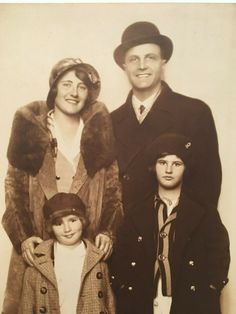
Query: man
63	145
151	109
172	254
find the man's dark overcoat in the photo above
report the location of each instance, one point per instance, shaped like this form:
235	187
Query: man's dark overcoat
171	112
200	257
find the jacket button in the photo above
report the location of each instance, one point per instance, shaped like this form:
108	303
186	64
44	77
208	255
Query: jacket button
191	263
99	275
130	288
133	264
43	290
126	177
140	239
193	288
112	277
100	294
161	257
163	234
43	309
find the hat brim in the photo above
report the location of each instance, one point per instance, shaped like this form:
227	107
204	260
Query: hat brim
161	40
96	90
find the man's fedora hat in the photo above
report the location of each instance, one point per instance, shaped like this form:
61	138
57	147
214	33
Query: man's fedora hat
142	33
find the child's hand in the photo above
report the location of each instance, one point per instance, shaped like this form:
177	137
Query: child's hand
27	249
105	244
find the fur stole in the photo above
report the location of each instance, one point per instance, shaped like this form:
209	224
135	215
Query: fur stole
30	138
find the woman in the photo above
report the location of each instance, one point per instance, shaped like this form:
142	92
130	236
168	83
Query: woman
62	145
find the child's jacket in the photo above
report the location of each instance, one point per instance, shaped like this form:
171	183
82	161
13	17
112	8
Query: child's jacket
40	293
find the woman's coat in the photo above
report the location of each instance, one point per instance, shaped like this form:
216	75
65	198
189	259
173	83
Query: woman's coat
40	292
31	179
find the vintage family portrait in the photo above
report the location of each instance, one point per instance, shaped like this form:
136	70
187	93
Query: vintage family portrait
118	143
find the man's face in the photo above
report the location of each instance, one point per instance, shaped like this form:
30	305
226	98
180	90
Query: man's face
71	94
68	229
144	65
169	171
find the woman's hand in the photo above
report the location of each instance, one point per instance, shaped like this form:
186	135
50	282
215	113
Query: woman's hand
27	249
104	243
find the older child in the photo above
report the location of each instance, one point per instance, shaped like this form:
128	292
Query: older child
68	275
172	254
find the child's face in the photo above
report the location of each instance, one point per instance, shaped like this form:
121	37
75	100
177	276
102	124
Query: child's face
169	171
68	229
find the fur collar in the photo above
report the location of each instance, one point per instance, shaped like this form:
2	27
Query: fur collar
30	138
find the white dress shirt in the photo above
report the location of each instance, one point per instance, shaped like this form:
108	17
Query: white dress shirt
147	103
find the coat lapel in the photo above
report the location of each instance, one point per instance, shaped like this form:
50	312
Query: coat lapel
44	261
93	256
80	177
47	175
189	216
134	136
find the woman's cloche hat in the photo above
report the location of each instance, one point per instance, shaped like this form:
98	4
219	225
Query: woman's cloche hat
142	33
66	64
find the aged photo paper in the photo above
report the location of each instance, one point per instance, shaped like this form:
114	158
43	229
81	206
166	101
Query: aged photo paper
34	37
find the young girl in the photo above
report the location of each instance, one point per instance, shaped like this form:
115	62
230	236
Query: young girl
172	253
68	275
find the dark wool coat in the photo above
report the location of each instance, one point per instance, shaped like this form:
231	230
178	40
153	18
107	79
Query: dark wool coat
171	112
31	178
200	258
40	292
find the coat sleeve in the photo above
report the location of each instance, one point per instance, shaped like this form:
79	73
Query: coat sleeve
206	174
217	247
112	209
16	219
28	297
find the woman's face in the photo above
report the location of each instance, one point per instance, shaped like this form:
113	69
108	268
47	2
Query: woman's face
71	94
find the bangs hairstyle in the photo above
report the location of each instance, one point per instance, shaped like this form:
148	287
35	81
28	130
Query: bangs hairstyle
152	166
58	219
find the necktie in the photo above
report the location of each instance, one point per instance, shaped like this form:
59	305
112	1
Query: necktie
141	109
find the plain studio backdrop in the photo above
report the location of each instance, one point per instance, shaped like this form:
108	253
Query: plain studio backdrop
33	37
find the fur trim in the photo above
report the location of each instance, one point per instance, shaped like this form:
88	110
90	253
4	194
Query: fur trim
30	138
97	143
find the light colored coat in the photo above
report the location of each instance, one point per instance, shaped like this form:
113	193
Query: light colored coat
31	179
40	292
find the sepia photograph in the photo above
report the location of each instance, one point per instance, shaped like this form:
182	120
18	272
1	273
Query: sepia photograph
118	144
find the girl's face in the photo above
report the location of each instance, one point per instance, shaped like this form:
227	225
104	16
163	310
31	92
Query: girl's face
170	171
68	229
71	94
